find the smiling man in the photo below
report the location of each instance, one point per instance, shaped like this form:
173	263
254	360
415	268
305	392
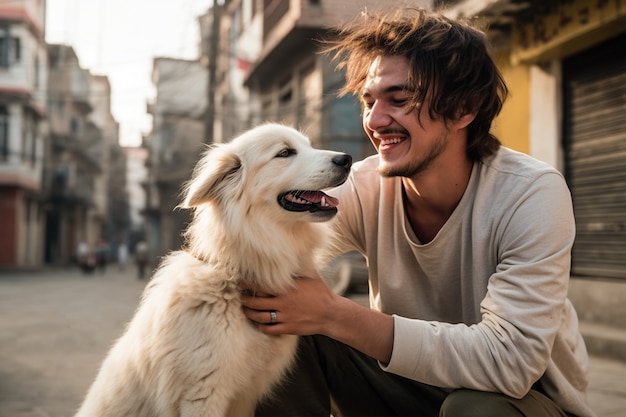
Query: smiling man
468	246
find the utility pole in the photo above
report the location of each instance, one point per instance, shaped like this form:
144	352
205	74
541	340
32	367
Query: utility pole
212	54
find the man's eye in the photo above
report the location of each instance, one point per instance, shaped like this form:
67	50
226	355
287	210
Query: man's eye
285	153
400	101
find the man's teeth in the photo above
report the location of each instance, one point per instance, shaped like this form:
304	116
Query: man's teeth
390	141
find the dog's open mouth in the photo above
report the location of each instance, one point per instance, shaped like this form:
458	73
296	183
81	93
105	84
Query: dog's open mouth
312	201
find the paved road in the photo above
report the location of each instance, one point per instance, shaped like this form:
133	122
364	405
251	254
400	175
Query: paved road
56	327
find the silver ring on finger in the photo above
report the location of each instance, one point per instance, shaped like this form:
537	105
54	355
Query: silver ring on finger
273	318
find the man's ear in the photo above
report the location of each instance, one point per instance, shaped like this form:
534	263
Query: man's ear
464	120
215	171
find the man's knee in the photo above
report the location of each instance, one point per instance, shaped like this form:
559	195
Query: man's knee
470	403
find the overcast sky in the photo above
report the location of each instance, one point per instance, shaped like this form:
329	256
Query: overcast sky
119	38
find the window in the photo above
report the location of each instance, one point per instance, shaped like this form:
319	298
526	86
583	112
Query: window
36	65
10	48
17	49
54	60
29	145
4	133
33	150
4	47
74	127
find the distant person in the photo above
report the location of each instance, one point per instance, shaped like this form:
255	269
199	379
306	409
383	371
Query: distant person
141	258
85	258
81	252
102	254
122	256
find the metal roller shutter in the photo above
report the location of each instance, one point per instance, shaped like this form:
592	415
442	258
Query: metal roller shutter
595	145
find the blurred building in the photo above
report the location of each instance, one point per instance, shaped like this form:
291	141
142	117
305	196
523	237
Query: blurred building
114	201
136	175
174	146
75	187
61	170
23	85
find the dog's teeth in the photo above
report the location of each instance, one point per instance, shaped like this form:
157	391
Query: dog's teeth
297	200
323	202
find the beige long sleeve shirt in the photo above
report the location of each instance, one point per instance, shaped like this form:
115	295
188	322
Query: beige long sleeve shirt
484	304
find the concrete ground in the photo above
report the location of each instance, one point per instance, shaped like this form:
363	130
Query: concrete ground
56	326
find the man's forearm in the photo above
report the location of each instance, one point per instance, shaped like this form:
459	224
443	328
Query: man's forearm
366	330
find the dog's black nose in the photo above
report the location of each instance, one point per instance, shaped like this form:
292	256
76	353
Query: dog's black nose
344	160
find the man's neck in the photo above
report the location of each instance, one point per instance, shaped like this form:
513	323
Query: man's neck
431	197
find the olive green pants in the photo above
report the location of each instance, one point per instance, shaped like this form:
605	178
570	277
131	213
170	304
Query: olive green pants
326	368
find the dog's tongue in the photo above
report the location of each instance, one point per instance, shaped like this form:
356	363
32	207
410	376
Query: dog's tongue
317	196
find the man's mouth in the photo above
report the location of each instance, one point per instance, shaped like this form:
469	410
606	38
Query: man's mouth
300	200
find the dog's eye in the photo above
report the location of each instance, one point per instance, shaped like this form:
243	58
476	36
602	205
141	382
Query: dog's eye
285	153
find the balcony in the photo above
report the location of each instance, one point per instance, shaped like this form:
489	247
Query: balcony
20	175
64	186
285	32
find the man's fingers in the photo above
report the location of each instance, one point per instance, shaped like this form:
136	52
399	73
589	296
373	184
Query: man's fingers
252	302
265	317
258	301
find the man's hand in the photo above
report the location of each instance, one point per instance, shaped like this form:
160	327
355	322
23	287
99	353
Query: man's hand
301	310
310	307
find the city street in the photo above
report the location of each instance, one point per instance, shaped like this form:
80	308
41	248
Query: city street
56	326
55	329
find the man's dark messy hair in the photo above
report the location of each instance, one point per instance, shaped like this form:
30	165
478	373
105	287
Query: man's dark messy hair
450	62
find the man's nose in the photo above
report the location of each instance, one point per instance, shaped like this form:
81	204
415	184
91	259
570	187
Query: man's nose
376	116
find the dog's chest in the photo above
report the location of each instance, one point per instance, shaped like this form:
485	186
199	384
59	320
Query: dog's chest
211	314
224	343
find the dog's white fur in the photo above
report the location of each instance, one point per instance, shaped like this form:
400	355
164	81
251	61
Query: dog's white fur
189	350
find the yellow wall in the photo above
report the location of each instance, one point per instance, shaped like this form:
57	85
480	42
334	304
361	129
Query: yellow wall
574	26
512	125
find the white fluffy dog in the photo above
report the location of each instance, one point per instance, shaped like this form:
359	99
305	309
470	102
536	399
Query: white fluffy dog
189	350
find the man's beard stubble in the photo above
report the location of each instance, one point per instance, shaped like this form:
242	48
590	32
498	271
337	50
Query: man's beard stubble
416	167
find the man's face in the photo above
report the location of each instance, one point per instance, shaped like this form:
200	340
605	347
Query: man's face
406	148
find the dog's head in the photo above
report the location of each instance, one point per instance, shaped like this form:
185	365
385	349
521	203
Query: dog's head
270	170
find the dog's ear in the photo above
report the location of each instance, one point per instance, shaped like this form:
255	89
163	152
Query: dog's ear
211	175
